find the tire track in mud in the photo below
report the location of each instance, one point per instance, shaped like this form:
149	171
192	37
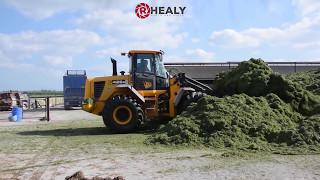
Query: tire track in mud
50	157
64	153
39	163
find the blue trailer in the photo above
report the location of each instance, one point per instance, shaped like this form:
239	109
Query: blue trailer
73	88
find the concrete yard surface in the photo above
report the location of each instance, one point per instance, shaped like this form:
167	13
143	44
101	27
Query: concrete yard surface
56	149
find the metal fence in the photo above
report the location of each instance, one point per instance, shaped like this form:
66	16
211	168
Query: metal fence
40	102
207	71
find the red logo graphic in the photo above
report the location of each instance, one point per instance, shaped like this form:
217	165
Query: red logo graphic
142	10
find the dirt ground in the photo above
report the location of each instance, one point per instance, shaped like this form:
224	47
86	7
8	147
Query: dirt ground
75	140
56	114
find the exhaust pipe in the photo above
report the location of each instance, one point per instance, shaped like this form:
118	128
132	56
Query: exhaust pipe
114	67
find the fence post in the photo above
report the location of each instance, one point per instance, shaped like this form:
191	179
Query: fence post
48	108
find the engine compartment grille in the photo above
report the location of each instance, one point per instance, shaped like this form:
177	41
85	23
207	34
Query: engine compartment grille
98	88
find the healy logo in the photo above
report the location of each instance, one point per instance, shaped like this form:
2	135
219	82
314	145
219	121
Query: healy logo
143	10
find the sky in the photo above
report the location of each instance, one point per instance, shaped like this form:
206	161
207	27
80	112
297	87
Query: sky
40	40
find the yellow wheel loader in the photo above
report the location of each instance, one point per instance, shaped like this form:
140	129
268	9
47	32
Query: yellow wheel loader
147	92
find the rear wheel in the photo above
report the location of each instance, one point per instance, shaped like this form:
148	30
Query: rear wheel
122	114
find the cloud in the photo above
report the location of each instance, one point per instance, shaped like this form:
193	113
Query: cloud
307	7
48	47
102	29
200	54
307	45
55	41
302	34
10	65
184	58
153	32
47	8
195	40
115	20
233	38
113	51
125	32
59	61
289	35
191	55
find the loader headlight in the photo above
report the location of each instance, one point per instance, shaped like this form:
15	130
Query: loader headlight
87	104
87	101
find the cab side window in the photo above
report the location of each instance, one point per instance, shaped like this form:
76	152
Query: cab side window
160	69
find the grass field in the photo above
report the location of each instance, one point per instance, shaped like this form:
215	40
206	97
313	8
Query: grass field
58	149
66	135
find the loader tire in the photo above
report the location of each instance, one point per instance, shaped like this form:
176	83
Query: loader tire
122	114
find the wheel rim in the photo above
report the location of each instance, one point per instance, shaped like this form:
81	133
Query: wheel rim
122	115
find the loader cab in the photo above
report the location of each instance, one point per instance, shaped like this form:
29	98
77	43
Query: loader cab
148	71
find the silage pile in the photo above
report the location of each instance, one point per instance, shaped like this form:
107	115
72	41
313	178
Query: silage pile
310	80
255	109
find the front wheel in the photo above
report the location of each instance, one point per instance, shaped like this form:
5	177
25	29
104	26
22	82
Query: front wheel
122	114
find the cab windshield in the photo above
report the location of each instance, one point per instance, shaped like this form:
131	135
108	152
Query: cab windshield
150	63
145	63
